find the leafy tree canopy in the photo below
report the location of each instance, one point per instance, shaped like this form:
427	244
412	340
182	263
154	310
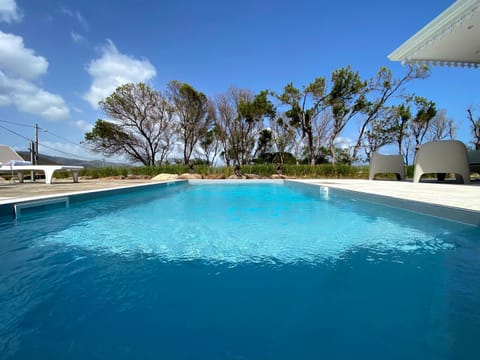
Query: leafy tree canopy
138	126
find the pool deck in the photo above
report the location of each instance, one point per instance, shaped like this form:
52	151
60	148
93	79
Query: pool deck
15	192
466	197
456	196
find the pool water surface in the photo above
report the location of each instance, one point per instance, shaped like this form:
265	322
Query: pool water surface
257	271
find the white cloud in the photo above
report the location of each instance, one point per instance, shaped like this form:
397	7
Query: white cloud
82	20
17	60
77	38
9	11
19	67
38	101
83	125
344	142
4	99
28	97
113	69
76	15
68	12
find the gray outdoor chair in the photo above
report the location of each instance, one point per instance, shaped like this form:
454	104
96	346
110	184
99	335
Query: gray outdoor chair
442	157
386	164
474	161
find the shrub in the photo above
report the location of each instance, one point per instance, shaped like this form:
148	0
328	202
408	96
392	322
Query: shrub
266	170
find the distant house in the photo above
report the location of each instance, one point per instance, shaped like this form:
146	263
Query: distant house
451	39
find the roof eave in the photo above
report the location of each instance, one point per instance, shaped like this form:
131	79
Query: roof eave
448	19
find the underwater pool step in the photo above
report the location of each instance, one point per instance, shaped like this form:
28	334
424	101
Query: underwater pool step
45	204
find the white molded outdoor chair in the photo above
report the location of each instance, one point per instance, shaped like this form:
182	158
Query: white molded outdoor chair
385	164
442	157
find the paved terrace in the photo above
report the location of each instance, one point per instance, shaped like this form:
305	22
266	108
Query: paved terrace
14	192
460	196
465	197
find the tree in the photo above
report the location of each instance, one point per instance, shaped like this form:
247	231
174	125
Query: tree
321	129
441	127
409	130
224	122
382	88
283	137
345	99
250	118
240	119
209	144
264	145
192	113
420	123
304	107
139	128
401	115
381	131
475	128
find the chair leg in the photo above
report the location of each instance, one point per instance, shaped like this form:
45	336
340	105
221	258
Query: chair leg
48	176
416	176
462	178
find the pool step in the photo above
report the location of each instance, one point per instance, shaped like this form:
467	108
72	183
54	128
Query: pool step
40	205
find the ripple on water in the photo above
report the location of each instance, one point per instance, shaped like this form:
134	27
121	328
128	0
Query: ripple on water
277	223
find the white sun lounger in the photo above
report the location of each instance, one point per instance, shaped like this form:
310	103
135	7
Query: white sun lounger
442	157
13	163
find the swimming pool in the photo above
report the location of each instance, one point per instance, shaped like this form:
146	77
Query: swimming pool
229	271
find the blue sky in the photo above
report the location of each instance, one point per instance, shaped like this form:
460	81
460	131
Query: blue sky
59	58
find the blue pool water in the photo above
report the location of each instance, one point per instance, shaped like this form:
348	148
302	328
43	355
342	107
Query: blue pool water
257	271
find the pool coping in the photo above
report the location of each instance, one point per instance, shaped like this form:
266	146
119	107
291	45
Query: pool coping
442	211
7	206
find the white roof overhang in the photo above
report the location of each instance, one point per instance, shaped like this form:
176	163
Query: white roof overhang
452	38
